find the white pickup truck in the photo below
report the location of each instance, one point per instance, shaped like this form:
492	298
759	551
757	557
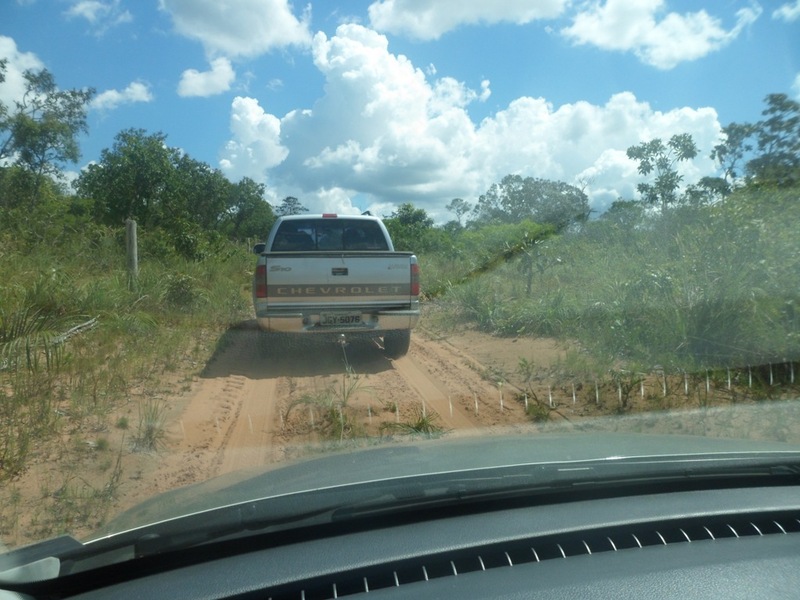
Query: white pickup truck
338	276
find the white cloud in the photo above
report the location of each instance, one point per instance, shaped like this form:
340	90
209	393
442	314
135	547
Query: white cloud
18	62
788	12
91	10
485	90
256	144
246	28
663	43
111	99
586	142
387	134
430	19
101	15
796	87
336	200
209	83
381	128
68	177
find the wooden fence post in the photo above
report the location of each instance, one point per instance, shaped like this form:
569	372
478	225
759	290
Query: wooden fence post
132	249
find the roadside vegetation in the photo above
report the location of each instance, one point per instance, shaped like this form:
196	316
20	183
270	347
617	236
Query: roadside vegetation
694	277
701	287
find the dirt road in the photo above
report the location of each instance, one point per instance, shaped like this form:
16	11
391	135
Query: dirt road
246	410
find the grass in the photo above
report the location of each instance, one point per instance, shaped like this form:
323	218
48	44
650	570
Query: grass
424	424
150	432
538	413
60	383
332	415
75	502
695	290
330	412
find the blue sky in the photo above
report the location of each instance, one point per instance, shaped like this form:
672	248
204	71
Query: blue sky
353	105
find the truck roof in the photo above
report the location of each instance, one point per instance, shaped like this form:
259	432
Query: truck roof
328	216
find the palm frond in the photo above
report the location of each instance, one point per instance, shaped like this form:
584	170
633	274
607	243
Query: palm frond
30	337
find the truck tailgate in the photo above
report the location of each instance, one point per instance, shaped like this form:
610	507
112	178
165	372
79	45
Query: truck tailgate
338	280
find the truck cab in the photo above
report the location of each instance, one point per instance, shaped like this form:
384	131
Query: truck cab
336	275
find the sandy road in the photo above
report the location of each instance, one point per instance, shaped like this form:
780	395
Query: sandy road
249	411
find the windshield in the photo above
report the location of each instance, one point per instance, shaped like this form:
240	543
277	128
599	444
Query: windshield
593	208
329	234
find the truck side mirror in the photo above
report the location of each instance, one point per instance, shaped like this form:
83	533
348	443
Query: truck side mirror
259	248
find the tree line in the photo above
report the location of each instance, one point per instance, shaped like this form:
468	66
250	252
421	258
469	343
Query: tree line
190	204
757	156
141	177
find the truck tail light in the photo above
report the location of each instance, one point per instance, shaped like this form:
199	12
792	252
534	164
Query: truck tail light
261	281
415	279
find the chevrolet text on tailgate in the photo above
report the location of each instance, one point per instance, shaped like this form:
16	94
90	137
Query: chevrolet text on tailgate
336	275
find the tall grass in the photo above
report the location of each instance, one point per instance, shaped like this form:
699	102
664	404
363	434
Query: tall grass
696	289
77	275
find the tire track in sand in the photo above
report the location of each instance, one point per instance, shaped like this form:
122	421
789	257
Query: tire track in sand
445	376
251	436
420	381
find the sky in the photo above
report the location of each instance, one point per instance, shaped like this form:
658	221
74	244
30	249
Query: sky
352	105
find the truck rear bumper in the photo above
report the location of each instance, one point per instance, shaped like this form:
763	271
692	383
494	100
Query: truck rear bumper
375	322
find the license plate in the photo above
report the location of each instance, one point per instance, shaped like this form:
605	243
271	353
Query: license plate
333	319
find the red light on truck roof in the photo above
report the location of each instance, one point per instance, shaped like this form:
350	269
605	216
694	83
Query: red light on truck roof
329	215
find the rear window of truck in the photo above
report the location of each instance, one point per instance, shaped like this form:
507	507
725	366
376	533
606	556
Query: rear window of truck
328	235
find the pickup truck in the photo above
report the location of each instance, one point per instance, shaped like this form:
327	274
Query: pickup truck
337	276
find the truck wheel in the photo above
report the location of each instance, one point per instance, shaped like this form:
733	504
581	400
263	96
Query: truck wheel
396	343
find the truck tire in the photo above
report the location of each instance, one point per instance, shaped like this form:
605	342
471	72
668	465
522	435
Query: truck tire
396	343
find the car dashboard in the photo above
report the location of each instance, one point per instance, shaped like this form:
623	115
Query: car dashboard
731	542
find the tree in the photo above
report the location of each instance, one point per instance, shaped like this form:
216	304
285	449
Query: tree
778	142
30	197
409	216
3	107
628	214
134	179
708	190
409	227
659	158
731	152
199	192
543	201
250	216
459	207
40	132
290	206
184	201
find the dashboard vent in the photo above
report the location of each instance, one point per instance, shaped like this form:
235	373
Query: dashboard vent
535	550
